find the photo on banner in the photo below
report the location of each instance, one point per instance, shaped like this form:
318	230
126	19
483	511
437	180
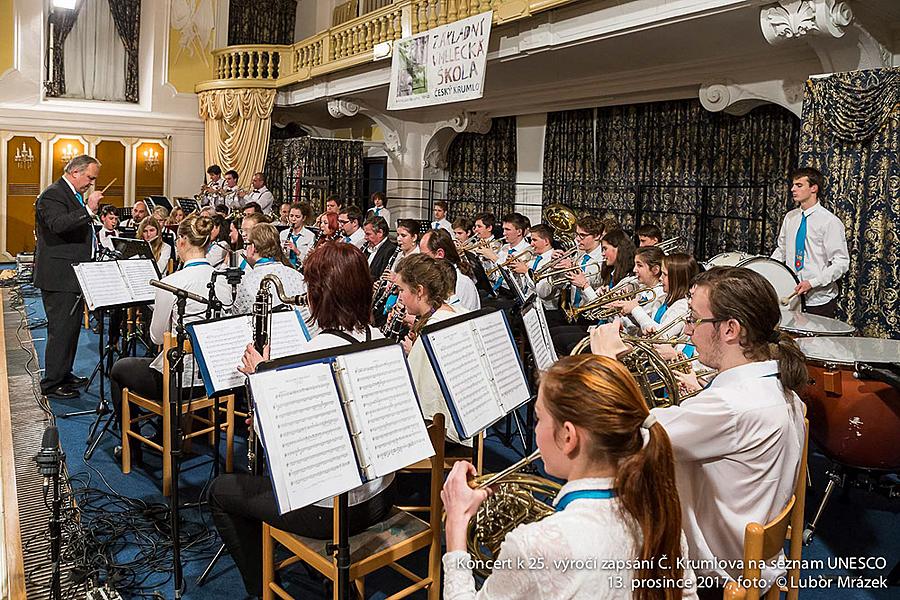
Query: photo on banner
442	65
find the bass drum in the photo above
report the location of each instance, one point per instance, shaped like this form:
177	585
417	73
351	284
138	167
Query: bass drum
853	420
801	324
727	259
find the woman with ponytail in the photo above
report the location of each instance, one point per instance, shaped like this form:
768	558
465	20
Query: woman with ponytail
619	504
739	441
425	285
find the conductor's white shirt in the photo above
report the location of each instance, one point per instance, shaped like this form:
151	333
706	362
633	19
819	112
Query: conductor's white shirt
566	555
825	259
737	447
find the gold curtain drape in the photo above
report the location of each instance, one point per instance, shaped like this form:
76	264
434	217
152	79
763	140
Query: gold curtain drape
238	124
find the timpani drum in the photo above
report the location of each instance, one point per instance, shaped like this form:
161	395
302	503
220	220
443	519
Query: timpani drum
801	324
853	418
776	272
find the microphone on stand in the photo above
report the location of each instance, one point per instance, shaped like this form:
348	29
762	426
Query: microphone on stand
49	457
178	291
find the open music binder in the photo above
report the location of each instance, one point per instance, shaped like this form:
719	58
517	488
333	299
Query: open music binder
335	419
477	366
113	283
538	333
219	345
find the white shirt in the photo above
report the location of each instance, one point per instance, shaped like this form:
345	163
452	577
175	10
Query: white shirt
737	447
165	253
194	277
231	199
443	224
217	253
505	253
465	294
324	341
589	529
592	271
431	398
106	236
825	258
357	238
211	197
263	197
382	212
643	315
374	251
548	295
291	279
304	241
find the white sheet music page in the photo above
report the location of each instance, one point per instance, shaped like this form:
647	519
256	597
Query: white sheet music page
104	284
288	336
305	434
540	345
503	356
138	274
385	410
222	344
465	373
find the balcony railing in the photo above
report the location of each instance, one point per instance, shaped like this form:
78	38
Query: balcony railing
352	43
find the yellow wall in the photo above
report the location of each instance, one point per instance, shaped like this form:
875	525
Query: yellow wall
191	64
147	182
7	35
111	155
22	188
59	163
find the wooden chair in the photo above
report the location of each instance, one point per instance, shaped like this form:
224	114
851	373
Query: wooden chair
382	545
210	425
764	542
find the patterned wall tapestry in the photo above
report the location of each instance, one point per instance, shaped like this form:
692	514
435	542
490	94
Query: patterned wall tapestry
713	179
482	170
851	132
250	23
310	169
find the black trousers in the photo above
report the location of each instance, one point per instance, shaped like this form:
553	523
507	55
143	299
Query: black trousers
565	338
136	374
64	312
824	310
240	504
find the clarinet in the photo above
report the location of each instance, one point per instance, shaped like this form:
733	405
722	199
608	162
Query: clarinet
384	287
395	328
262	325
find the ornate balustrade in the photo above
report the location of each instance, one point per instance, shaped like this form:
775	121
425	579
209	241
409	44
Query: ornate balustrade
352	43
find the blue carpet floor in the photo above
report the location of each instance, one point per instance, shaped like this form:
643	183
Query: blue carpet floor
857	523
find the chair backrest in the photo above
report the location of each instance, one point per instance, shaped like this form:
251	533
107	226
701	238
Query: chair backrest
764	542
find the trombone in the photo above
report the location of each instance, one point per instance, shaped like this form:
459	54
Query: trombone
558	276
523	255
474	244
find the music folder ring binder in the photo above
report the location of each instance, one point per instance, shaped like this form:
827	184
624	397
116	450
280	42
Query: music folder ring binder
477	365
336	419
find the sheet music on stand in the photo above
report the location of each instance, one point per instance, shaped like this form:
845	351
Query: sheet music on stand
113	283
522	291
477	365
219	345
188	205
538	333
335	419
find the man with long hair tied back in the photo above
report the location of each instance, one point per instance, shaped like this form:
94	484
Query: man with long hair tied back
616	533
738	442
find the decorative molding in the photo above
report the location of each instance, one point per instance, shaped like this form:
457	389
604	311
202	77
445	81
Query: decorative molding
342	108
435	155
792	19
390	127
741	98
467	122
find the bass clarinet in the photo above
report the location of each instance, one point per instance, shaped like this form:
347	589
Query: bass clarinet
262	326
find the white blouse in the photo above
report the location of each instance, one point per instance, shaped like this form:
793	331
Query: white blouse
566	555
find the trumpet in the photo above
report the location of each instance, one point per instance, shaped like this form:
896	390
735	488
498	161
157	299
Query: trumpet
523	255
474	244
557	276
597	309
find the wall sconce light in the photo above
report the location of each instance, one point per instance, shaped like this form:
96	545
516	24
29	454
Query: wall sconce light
68	153
24	157
151	160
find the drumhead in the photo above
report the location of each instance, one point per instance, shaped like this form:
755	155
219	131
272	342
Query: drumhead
778	274
727	259
808	324
848	350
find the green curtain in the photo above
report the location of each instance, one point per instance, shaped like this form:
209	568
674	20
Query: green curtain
482	170
851	132
679	166
310	169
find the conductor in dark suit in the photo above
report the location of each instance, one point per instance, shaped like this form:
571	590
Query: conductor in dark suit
381	248
64	215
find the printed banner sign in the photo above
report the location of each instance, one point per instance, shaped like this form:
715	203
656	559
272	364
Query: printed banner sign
441	65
